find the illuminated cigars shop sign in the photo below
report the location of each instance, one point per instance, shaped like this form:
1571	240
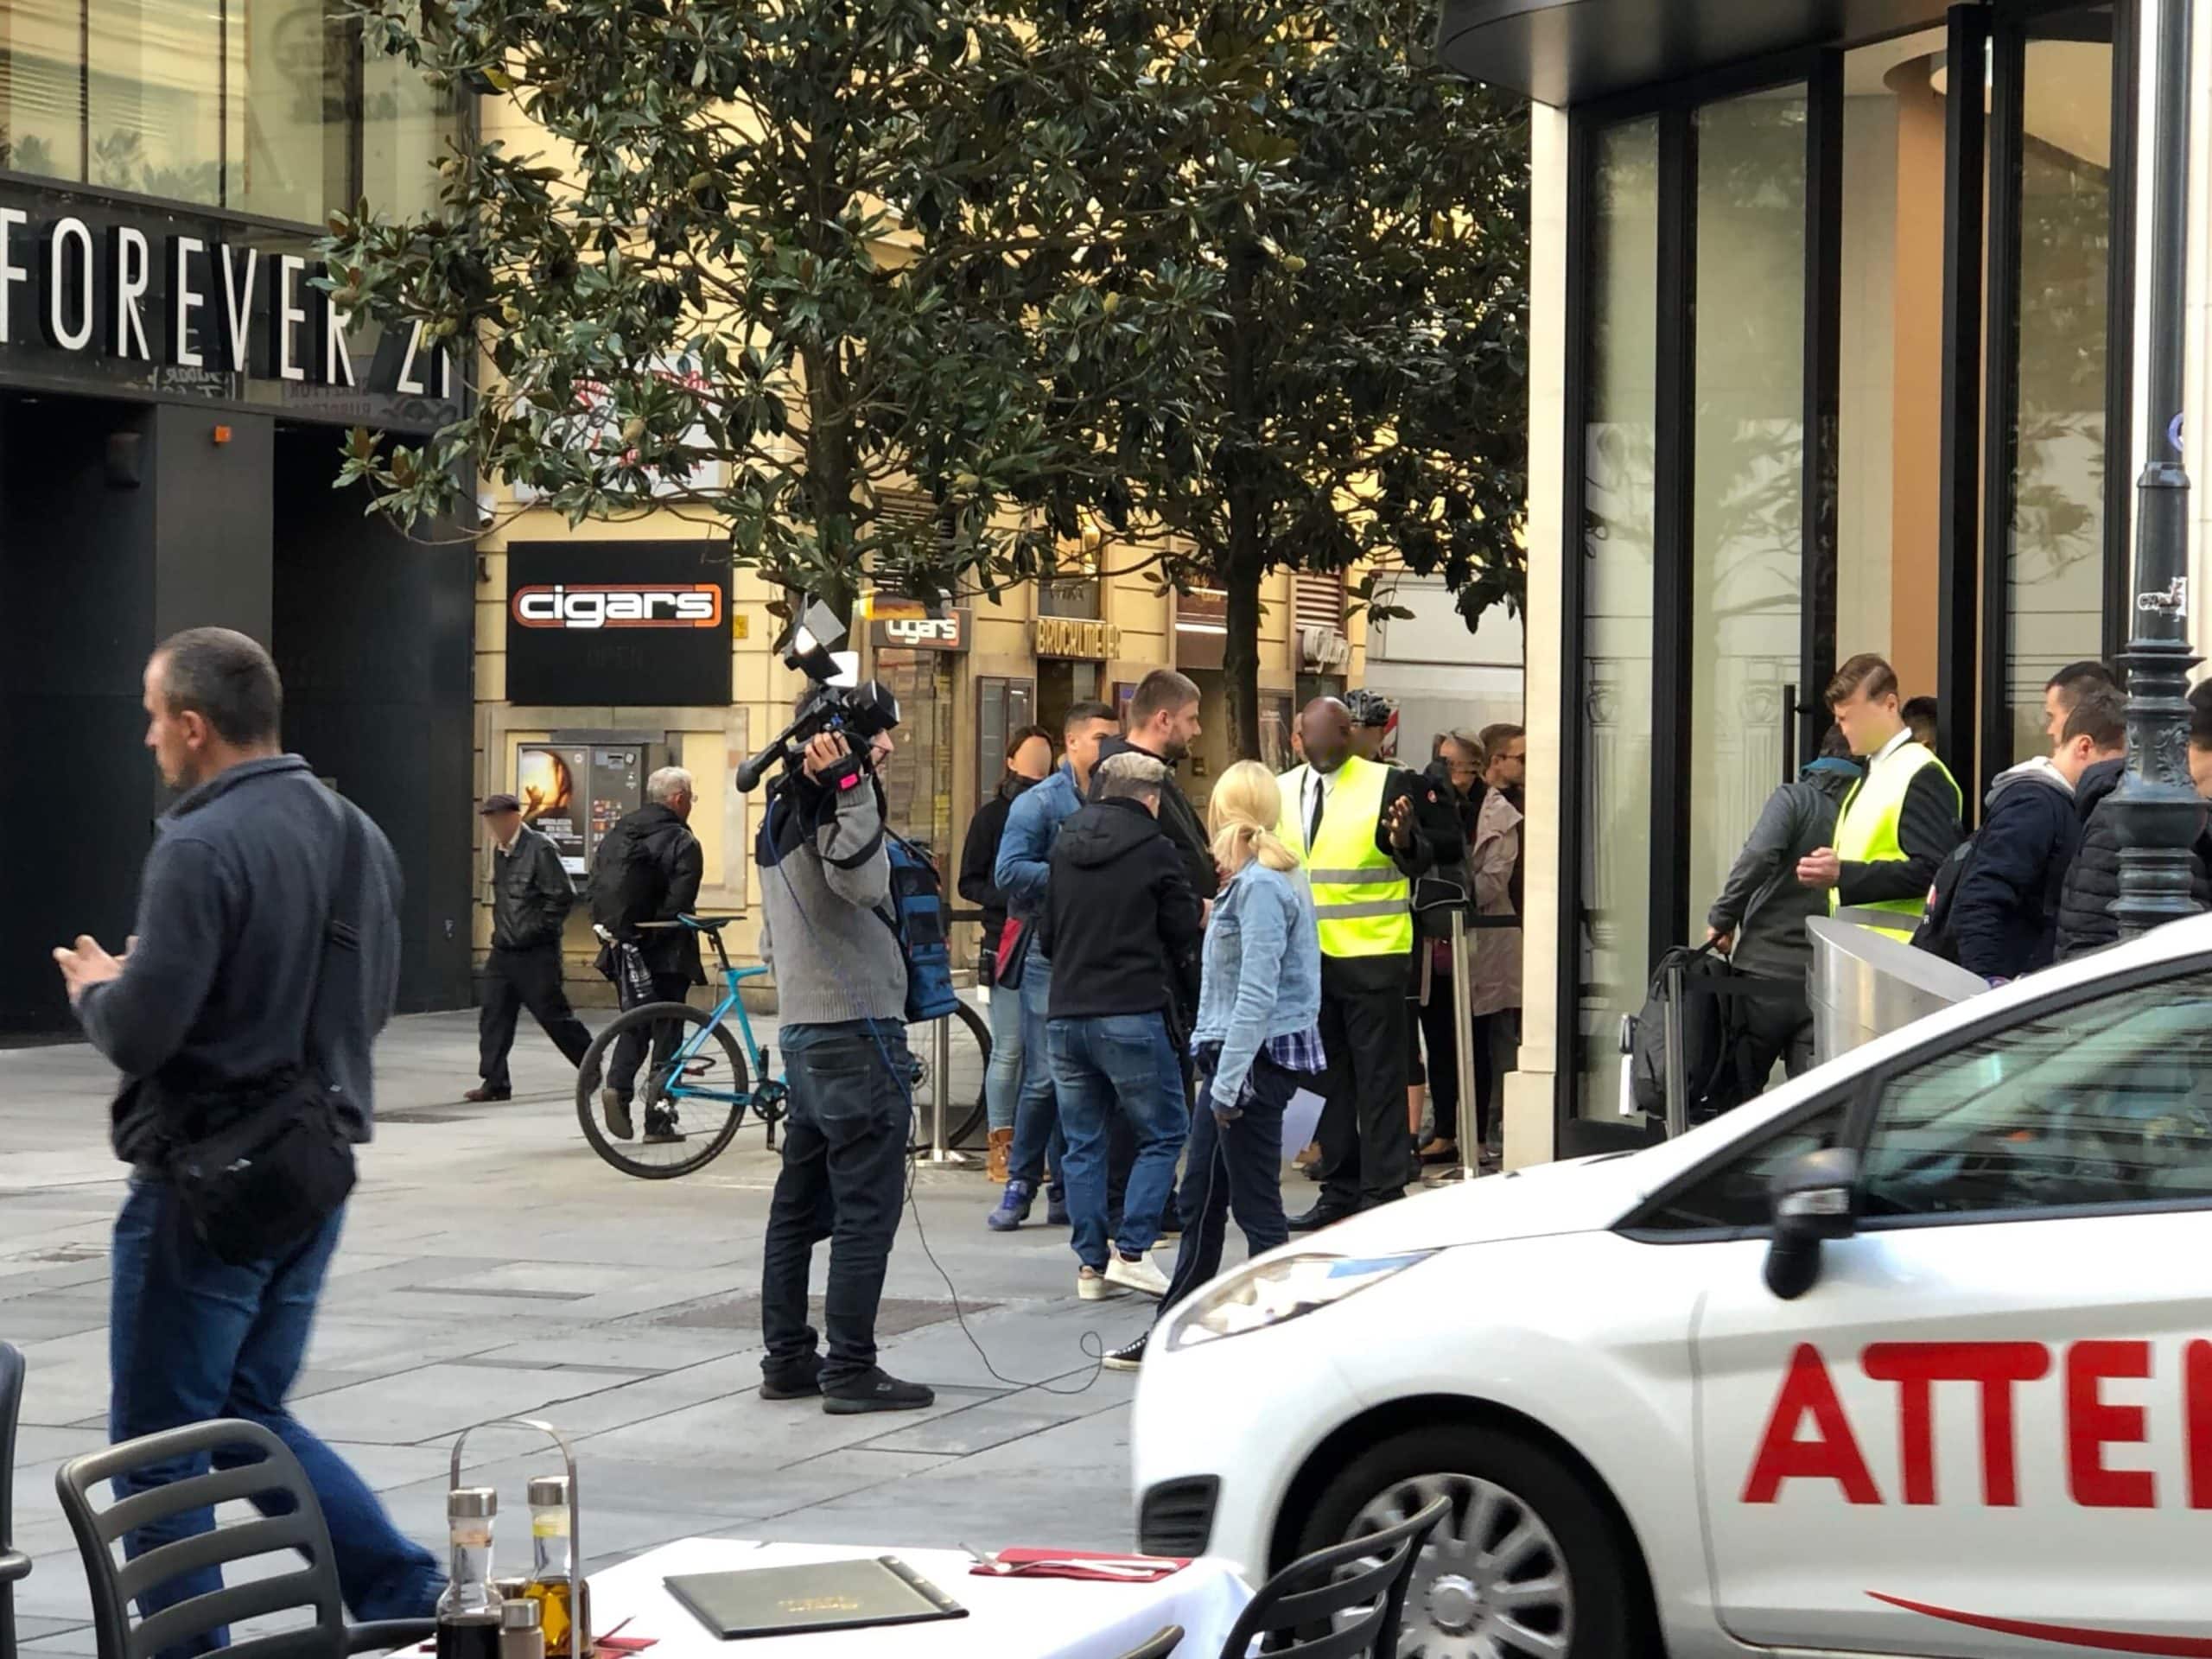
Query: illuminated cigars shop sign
90	289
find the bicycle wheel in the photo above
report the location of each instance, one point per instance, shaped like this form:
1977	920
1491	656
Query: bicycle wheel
678	1124
971	1065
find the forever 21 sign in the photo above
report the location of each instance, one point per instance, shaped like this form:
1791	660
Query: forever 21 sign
184	298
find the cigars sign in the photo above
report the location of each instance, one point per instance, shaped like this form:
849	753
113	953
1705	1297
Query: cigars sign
96	289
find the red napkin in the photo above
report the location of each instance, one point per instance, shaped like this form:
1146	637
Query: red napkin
1092	1566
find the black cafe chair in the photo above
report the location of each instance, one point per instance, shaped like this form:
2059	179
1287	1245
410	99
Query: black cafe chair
1160	1644
250	1462
1362	1582
14	1564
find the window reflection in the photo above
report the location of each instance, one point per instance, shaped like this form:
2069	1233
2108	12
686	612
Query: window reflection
271	107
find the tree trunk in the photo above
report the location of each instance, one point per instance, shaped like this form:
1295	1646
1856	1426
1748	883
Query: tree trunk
1240	652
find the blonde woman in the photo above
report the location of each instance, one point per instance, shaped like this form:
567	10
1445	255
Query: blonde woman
1257	1039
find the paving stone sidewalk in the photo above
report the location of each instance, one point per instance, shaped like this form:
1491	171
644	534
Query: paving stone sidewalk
493	1265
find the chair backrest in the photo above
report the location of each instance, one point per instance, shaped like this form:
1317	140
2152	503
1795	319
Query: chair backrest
11	1403
1361	1583
13	1566
1160	1644
249	1462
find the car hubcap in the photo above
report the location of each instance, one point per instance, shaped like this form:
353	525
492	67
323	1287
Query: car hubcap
1491	1582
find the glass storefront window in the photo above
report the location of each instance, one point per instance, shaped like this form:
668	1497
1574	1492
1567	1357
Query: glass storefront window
1616	578
918	778
1003	706
2054	562
1747	494
42	64
271	107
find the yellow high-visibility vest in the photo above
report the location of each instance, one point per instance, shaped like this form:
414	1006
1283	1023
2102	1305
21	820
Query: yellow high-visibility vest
1363	901
1866	830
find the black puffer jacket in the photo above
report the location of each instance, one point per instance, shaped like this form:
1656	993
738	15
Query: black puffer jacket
2085	918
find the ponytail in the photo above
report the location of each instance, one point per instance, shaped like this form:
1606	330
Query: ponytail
1242	811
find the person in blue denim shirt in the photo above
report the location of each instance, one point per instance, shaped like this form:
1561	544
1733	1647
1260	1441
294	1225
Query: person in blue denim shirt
1024	864
1258	1037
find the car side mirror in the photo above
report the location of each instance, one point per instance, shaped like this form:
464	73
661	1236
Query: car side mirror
1816	1198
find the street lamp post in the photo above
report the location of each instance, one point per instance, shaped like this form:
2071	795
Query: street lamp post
2156	807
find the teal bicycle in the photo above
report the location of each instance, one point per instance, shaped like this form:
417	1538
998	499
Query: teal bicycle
665	1087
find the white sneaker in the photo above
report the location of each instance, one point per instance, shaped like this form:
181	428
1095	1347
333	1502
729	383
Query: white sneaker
1093	1285
1140	1275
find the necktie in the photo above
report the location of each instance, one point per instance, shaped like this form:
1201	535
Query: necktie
1313	817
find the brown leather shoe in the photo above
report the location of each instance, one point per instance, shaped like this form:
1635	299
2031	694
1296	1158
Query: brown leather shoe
1002	1148
478	1094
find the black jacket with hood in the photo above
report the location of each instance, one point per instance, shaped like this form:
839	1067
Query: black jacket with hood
2004	914
1763	903
656	834
1178	820
1119	918
2085	918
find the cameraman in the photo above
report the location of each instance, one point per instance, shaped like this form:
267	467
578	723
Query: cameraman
841	999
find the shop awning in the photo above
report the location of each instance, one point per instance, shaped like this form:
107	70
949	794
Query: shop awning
1573	51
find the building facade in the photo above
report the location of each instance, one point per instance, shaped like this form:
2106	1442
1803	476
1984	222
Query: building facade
174	391
1836	335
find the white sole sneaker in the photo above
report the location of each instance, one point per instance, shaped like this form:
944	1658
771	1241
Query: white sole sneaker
1140	1275
1097	1286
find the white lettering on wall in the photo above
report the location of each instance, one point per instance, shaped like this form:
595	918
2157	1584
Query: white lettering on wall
409	385
285	311
336	366
63	283
184	300
130	262
10	272
237	304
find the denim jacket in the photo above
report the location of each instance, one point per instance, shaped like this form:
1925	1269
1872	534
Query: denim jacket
1262	970
1025	848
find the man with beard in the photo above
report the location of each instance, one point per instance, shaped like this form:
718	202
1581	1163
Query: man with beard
1163	722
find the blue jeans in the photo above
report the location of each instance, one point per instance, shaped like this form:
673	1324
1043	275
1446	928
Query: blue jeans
1002	1082
843	1179
1108	1063
191	1338
1037	1117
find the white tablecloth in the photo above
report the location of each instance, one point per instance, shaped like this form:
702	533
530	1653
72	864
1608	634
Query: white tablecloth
1008	1618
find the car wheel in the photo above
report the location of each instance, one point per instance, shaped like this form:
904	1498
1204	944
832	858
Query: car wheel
1527	1565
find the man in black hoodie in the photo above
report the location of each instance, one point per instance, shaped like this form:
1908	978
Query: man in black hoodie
1120	918
649	869
2085	919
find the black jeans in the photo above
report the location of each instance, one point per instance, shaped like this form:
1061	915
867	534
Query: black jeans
843	1180
1443	1042
630	1046
1776	1024
1365	1145
1233	1168
513	980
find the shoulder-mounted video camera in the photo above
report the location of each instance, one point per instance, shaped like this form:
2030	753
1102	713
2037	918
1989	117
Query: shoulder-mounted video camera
859	713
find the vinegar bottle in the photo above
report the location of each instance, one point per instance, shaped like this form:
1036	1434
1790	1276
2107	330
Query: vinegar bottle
468	1612
554	1582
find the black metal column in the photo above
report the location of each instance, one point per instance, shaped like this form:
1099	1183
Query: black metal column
1958	548
2157	806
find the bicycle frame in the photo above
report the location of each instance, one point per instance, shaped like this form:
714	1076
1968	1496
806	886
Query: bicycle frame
731	1003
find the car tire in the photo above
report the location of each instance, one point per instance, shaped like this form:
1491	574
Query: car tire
1489	1471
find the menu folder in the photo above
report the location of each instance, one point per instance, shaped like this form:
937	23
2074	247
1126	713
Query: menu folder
818	1596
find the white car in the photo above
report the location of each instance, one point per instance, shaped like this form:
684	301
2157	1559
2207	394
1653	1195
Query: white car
1910	1356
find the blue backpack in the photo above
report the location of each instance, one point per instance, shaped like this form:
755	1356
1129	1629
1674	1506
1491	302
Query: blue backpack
917	920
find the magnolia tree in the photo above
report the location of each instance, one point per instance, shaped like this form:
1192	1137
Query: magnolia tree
701	287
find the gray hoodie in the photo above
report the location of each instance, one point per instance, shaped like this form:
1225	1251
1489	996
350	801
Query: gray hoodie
1763	903
825	894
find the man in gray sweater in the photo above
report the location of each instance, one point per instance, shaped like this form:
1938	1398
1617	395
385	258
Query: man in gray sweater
841	999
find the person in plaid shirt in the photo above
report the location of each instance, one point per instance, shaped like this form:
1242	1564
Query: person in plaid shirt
1258	1040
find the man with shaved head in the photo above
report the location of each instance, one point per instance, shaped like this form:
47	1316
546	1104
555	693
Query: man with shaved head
1364	829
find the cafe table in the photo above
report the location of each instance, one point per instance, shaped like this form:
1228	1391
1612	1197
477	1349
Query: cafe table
1007	1617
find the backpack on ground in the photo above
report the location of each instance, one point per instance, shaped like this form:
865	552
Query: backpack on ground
626	884
1933	935
1708	1038
917	919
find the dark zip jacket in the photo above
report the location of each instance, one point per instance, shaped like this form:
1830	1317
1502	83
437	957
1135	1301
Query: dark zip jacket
2085	918
531	894
2005	915
214	996
1121	921
979	855
1178	820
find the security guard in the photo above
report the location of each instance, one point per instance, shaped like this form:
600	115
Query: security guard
1898	823
1364	829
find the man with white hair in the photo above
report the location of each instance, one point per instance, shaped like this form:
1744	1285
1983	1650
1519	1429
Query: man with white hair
648	868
